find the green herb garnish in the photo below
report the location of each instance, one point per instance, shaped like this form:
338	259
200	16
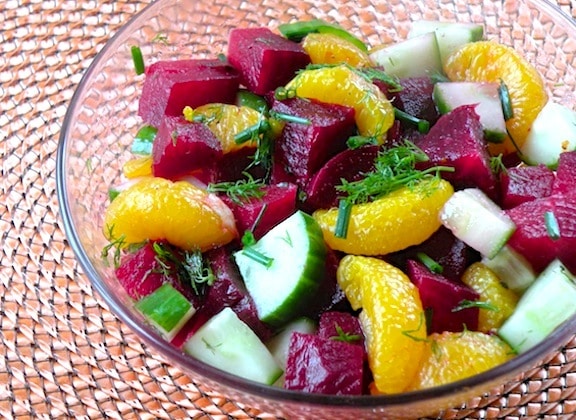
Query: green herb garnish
552	226
239	191
505	100
432	265
466	304
137	59
344	336
423	126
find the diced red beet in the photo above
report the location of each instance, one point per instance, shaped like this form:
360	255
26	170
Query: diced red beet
525	183
279	200
233	166
330	296
304	148
531	237
351	165
440	297
322	366
415	97
171	85
333	323
182	147
443	247
457	140
264	59
565	174
228	290
140	273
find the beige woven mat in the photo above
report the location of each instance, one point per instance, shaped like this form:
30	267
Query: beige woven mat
62	354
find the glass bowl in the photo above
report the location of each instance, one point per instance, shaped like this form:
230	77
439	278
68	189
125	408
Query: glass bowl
102	120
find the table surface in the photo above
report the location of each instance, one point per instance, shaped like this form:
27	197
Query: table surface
63	354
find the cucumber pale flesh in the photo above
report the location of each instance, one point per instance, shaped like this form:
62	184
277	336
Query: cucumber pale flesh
283	288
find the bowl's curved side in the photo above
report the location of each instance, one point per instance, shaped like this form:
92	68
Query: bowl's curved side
102	119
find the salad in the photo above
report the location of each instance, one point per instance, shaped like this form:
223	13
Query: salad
318	214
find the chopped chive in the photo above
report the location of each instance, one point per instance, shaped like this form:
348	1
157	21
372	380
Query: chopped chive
137	59
430	263
422	125
251	133
343	220
466	304
289	118
552	227
257	256
505	100
356	142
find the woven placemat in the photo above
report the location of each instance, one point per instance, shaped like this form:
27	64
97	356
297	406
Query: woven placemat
62	353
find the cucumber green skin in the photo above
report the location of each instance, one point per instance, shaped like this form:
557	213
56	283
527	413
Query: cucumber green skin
304	291
298	30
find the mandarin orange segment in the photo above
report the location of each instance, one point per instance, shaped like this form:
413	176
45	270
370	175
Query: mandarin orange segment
325	48
501	300
137	167
226	121
449	357
488	61
392	319
403	218
341	85
179	212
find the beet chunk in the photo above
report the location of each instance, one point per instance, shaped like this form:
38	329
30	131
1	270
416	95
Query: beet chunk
333	324
440	297
181	148
525	183
264	59
565	174
351	165
279	200
304	148
415	98
171	85
531	237
457	140
443	247
324	366
142	272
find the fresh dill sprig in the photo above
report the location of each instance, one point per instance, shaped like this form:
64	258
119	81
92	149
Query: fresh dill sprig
394	168
344	336
116	245
239	191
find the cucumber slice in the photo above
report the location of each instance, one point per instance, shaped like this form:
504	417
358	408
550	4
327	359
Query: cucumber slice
287	277
450	35
512	269
415	57
227	343
166	309
553	132
450	95
477	221
543	307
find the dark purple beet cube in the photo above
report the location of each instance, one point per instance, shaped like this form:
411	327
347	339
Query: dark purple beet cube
336	325
415	97
441	298
457	140
525	183
322	366
443	247
532	237
304	148
181	148
565	174
350	164
171	85
141	273
278	202
264	59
